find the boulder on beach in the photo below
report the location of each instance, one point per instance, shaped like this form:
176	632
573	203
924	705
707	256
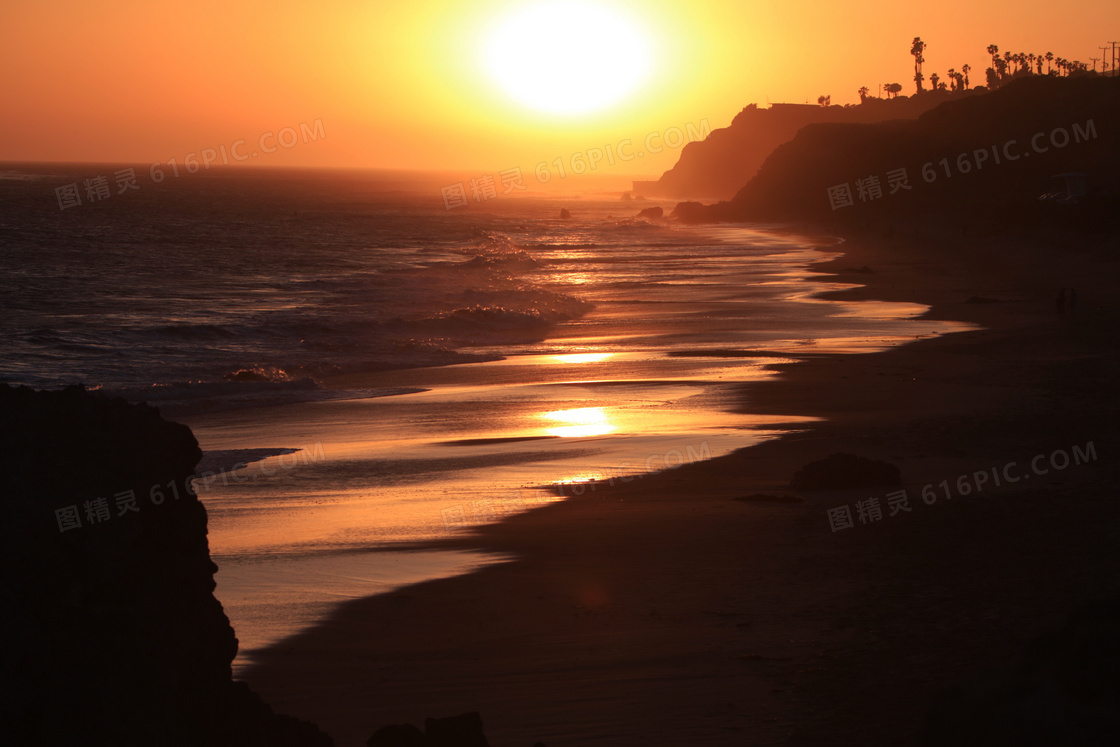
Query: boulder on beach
397	735
565	214
464	730
652	213
842	471
769	498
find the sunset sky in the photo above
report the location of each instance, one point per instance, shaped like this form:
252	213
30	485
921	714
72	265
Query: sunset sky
419	84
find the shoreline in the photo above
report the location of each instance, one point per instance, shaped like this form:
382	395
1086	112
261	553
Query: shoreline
662	613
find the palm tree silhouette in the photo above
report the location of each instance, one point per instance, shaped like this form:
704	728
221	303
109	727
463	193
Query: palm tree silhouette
993	50
964	70
916	50
863	92
1049	58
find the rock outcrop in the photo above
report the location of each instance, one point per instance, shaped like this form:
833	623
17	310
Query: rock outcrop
719	165
110	633
464	730
843	471
968	159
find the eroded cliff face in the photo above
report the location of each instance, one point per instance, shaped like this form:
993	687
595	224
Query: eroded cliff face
718	166
109	629
980	159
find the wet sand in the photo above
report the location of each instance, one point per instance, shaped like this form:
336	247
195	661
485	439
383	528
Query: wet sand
665	611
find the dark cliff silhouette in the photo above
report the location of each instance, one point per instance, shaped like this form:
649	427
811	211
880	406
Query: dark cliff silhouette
718	166
111	632
980	158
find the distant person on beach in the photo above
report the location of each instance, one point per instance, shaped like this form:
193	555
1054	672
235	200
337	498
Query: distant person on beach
1060	303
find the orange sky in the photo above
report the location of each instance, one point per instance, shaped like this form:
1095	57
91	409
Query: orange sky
401	84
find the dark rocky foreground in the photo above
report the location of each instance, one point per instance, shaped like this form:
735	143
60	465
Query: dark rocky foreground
109	631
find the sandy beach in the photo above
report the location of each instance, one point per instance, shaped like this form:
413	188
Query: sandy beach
667	611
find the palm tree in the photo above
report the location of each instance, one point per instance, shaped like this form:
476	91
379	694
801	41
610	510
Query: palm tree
965	69
916	50
1001	68
933	81
1049	58
1030	60
953	77
993	50
863	93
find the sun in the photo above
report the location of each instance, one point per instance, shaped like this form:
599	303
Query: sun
567	58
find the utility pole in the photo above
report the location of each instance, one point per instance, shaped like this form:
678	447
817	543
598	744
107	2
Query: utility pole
1113	56
1104	59
1094	61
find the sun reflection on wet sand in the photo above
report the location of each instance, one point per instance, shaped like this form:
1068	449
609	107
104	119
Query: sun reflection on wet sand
581	357
582	422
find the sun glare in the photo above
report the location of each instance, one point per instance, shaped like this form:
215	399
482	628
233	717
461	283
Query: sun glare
581	422
567	58
582	357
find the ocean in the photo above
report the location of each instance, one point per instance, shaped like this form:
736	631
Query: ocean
368	371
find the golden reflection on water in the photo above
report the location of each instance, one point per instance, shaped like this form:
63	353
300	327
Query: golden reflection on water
580	422
581	357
